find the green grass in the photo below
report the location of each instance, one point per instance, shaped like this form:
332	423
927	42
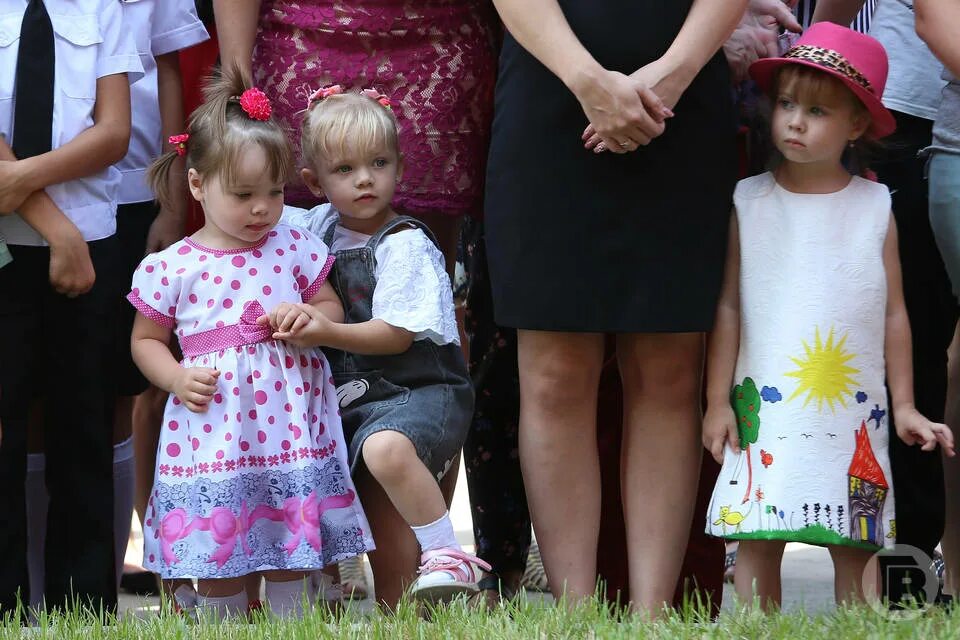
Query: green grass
523	619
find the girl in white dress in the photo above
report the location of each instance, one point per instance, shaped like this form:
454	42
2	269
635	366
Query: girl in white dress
404	390
252	470
810	325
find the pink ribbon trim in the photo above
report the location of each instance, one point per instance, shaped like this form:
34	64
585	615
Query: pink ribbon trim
245	332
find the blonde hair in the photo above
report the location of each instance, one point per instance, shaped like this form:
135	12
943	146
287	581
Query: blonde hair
220	131
334	125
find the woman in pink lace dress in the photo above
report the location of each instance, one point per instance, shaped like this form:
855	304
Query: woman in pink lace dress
435	59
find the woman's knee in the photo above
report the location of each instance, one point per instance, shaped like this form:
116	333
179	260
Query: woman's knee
661	365
388	454
557	369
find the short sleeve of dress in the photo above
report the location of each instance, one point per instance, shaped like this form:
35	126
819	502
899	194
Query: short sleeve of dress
413	290
156	290
313	262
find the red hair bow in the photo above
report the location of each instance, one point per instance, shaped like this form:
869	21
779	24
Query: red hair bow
179	143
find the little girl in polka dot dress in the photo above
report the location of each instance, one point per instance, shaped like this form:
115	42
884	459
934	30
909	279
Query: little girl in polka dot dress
252	471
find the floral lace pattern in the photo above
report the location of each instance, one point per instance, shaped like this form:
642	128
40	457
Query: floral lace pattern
434	59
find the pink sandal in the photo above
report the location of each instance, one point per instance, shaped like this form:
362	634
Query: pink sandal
445	574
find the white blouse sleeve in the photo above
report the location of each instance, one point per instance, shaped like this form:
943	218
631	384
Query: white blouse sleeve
413	290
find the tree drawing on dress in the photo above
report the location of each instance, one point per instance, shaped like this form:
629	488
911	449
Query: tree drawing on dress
824	373
867	489
746	406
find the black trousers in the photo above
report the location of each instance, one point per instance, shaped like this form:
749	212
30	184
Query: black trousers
932	309
58	354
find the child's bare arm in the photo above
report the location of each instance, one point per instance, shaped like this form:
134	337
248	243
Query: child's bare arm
723	346
149	345
71	271
168	227
91	151
912	426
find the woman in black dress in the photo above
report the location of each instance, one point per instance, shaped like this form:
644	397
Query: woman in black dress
628	240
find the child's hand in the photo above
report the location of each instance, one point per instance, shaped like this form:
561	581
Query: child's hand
71	271
298	323
195	386
914	428
720	427
13	188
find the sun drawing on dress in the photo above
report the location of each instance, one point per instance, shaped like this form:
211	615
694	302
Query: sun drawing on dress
824	373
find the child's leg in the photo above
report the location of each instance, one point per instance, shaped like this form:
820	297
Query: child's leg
289	593
392	460
394	562
36	489
224	598
848	566
661	448
951	473
758	572
559	378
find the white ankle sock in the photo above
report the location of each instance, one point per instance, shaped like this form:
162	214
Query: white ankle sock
220	607
437	535
37	501
123	483
287	599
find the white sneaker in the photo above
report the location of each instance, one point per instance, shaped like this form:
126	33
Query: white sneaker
445	574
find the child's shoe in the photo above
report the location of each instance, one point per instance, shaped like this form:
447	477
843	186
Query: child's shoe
445	574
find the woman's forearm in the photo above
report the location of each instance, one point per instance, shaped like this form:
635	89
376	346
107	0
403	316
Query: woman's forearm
237	32
842	12
937	24
541	28
708	25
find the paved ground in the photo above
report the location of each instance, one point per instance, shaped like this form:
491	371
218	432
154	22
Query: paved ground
807	571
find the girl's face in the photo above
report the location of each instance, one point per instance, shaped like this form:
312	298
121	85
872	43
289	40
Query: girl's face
239	215
814	127
359	184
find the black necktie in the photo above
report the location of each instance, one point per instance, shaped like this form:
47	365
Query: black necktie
33	113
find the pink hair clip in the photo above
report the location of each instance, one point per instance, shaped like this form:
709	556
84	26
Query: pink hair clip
179	143
373	94
323	92
256	104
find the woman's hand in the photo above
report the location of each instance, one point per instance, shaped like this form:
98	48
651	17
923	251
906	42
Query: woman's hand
660	88
624	111
195	386
719	429
914	428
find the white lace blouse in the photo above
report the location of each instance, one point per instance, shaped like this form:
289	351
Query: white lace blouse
413	290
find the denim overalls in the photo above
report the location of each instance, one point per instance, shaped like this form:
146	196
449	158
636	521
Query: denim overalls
424	393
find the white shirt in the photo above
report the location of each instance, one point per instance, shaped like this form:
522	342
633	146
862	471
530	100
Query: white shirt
913	83
413	290
90	42
158	27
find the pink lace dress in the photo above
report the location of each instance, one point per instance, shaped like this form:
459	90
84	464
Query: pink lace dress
435	59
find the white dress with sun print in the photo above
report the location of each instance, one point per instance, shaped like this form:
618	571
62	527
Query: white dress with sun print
260	479
809	393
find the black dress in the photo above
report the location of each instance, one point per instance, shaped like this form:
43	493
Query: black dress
582	242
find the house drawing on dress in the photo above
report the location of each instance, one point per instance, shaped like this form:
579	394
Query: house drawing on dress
868	490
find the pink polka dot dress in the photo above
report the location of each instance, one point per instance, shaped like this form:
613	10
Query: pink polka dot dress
260	480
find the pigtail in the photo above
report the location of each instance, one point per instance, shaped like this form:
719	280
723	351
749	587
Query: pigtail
158	177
